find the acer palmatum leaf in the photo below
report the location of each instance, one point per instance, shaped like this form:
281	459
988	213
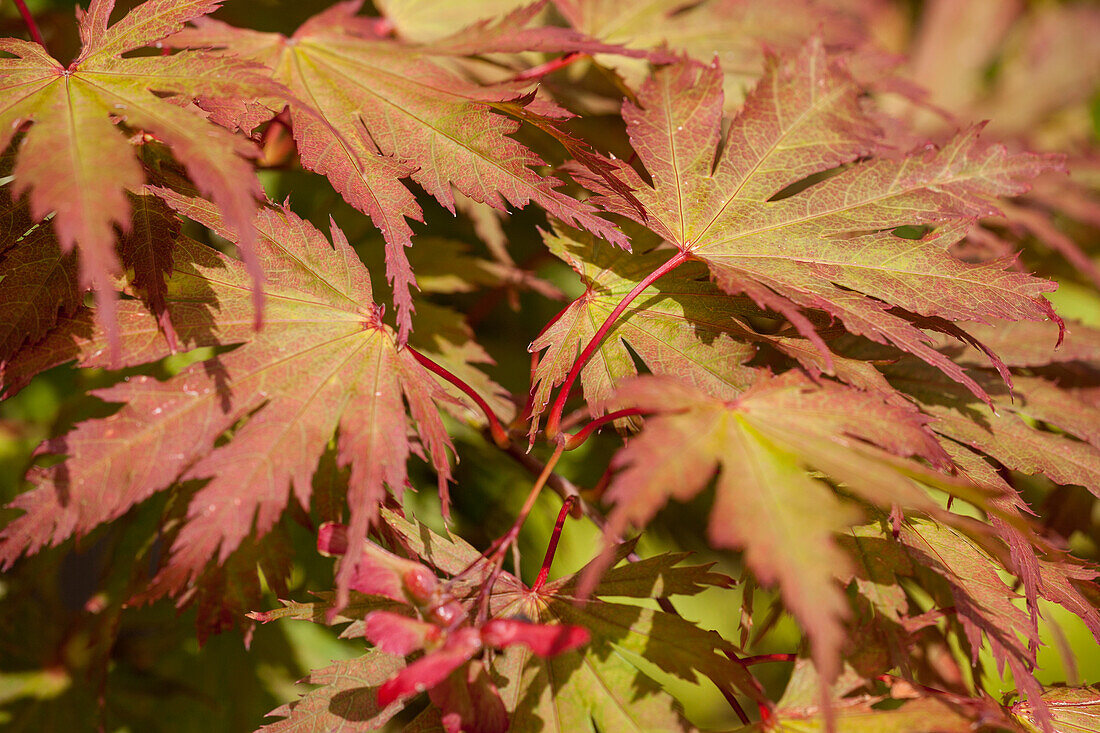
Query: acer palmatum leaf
736	33
764	444
380	111
598	683
38	280
323	365
831	246
77	163
1070	455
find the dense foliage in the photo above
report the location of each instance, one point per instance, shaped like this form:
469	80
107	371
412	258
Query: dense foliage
364	318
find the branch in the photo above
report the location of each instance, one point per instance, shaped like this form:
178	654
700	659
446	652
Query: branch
554	422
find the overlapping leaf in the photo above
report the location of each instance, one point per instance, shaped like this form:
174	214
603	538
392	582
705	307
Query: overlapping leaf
763	444
368	112
77	163
830	246
323	364
800	711
1073	709
1071	456
38	282
597	682
733	32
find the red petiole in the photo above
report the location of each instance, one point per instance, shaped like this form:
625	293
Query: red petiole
500	435
553	424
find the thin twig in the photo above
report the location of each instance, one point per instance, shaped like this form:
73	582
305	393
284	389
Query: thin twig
552	547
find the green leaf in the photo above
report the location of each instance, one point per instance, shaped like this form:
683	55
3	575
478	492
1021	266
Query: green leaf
347	696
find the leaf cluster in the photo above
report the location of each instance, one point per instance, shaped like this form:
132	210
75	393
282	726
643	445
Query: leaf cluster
829	328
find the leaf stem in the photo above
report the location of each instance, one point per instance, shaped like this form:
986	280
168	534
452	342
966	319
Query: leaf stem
501	545
500	435
552	548
537	72
32	26
577	439
553	424
761	658
530	404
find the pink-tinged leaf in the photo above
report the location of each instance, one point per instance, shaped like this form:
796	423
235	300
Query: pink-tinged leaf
424	22
378	571
397	634
1005	435
77	163
146	250
432	668
140	26
983	603
512	33
323	365
1070	709
764	445
378	112
830	246
1028	344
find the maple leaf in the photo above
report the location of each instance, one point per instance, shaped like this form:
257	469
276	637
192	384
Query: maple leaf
347	692
376	111
1026	343
1072	709
77	163
38	281
323	364
683	326
598	683
1069	457
830	246
800	710
423	22
595	682
767	503
983	604
733	32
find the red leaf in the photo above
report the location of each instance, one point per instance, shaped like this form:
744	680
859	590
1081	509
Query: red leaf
544	640
397	634
432	668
